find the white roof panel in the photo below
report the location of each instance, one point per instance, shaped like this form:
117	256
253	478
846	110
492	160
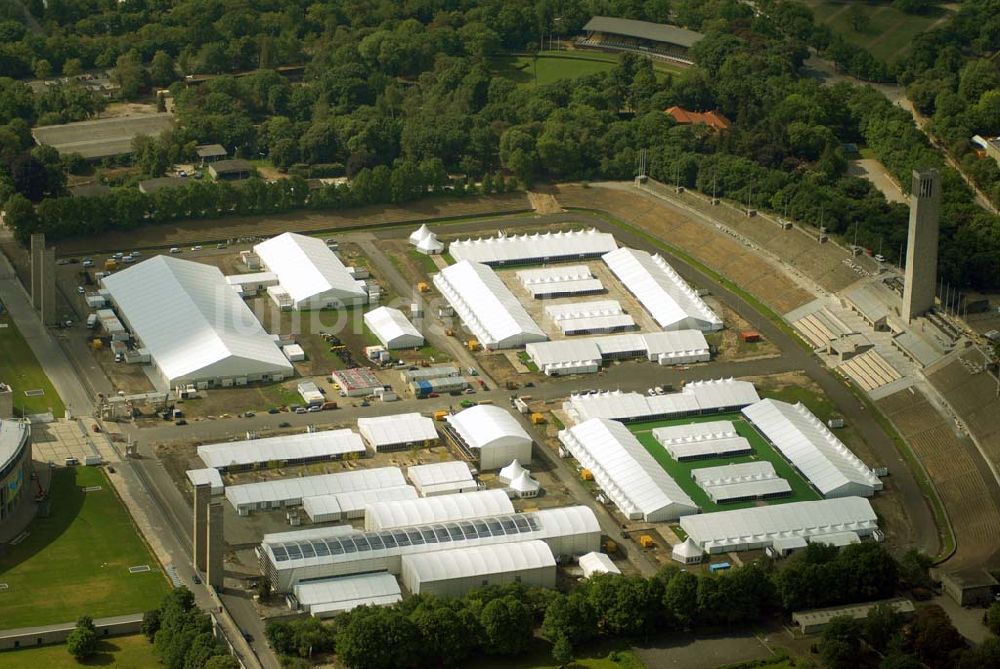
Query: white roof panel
701	440
626	471
392	328
662	291
306	268
480	504
437	473
554	274
403	428
485	424
695	397
208	475
535	246
305	446
355	501
813	449
597	563
347	592
191	322
486	306
311	486
477	561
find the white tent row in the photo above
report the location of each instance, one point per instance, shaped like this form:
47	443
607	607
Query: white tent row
761	526
696	398
586	355
486	306
741	481
309	272
392	328
284	449
626	472
547	246
290	492
806	442
702	440
665	295
352	504
397	431
560	281
328	597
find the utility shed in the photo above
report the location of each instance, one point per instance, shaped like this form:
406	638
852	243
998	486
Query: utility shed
393	329
328	597
760	526
486	306
352	504
269	495
310	273
380	514
812	449
397	432
291	449
741	482
535	247
453	573
196	329
694	441
626	472
442	478
288	558
597	563
672	303
813	621
207	475
491	434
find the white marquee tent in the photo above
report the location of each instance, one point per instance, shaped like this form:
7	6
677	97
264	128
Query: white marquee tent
309	272
547	246
493	433
397	431
426	241
392	328
427	510
454	572
284	449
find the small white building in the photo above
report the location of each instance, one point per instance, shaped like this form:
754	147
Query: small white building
687	552
425	241
597	563
208	475
491	434
293	352
327	597
442	478
311	275
398	432
453	573
311	394
393	329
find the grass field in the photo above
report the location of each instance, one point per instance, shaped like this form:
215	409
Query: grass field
20	369
889	32
76	561
681	471
552	66
539	656
123	652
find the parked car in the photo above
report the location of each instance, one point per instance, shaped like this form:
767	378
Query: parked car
175	250
301	410
284	424
81	290
196	248
273	410
180	421
315	409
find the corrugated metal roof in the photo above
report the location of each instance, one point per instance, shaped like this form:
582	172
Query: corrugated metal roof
626	471
392	328
813	449
477	561
654	32
306	268
483	425
480	504
661	290
305	446
547	245
402	428
486	305
191	322
311	486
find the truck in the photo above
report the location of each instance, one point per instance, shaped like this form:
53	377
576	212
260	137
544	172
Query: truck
92	321
718	566
110	265
440	415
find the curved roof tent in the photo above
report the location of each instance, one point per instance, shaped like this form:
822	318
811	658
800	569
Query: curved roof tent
486	425
511	471
524	483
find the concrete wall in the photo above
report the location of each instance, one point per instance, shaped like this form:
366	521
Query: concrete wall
29	637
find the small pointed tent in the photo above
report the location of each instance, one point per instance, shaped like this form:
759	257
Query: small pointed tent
511	471
687	552
525	486
426	241
418	235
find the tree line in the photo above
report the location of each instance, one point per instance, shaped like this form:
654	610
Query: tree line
501	620
182	635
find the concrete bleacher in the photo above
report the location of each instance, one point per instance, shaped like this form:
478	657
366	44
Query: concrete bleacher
870	370
821	327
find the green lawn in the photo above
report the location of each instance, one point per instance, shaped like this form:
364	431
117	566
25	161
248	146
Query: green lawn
425	261
539	656
552	66
122	652
76	561
20	369
681	471
889	32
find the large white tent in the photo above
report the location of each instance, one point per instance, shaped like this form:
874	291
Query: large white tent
328	597
568	531
290	492
493	434
442	508
812	449
584	355
597	563
194	326
695	441
486	306
535	247
626	471
452	573
662	291
695	399
442	478
286	449
426	241
560	281
393	329
309	272
761	526
397	431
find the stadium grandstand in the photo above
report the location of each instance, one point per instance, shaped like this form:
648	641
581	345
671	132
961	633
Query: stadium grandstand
655	40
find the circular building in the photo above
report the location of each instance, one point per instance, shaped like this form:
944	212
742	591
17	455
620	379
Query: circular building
15	465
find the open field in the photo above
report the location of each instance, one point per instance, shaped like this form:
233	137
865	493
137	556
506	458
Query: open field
20	369
123	652
681	471
552	66
889	32
76	561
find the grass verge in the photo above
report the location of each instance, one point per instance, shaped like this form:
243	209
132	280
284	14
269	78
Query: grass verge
20	369
123	652
76	561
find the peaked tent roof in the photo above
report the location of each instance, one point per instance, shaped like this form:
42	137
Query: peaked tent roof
686	549
524	483
511	471
191	322
306	267
392	327
419	234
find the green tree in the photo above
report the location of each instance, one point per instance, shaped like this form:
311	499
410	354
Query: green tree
72	67
378	638
129	73
448	629
223	661
43	69
880	626
562	651
840	643
161	69
506	624
569	617
681	597
858	18
993	617
82	641
150	624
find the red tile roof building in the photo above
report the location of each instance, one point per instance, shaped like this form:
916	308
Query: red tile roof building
712	119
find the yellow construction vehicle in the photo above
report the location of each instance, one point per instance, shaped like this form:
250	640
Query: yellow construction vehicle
422	287
610	547
537	419
110	264
472	344
646	541
586	475
440	415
